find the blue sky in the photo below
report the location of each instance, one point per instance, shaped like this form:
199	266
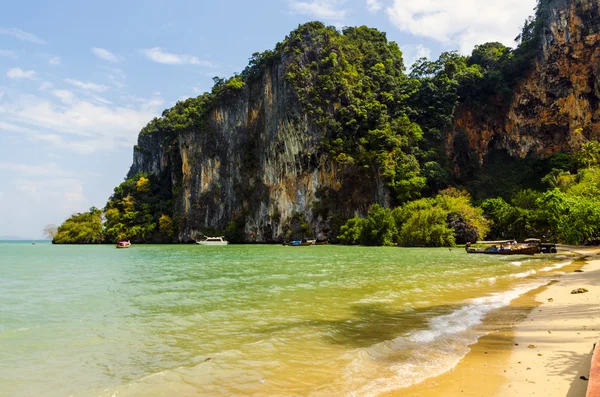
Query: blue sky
79	79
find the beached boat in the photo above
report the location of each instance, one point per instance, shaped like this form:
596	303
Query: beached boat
124	244
322	242
212	241
543	248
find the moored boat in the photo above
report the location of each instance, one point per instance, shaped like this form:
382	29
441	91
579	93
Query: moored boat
301	243
124	244
213	241
509	249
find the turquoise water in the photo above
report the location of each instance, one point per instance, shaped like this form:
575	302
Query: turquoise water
244	320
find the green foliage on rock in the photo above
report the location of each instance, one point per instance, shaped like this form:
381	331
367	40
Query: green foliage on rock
139	210
352	85
82	228
372	118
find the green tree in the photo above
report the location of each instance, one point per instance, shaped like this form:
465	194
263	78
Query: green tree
554	205
81	228
425	225
165	225
352	231
139	211
379	228
589	154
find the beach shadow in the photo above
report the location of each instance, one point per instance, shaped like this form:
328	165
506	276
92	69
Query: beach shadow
368	325
574	366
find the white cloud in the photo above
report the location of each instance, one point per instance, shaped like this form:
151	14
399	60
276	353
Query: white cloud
21	35
159	55
18	73
412	53
322	9
374	5
464	23
39	200
45	86
65	192
87	85
74	194
81	125
66	96
9	127
105	54
54	60
101	100
35	170
8	54
116	77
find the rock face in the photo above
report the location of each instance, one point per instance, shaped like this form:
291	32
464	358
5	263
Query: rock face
260	165
556	106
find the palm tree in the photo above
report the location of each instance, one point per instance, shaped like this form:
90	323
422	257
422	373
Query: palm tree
590	151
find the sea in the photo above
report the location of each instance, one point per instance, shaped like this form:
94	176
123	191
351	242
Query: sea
246	320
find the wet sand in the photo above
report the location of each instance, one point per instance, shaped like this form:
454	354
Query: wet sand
539	346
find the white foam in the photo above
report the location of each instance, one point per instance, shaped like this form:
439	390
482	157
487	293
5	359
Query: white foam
468	316
516	263
438	349
525	274
556	267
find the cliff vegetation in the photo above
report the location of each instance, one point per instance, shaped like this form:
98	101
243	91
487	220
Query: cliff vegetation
328	136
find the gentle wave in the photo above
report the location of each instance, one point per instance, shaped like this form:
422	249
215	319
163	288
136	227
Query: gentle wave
441	347
524	274
469	315
556	267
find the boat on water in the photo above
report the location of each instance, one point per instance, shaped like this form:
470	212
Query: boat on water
213	241
301	243
506	247
124	244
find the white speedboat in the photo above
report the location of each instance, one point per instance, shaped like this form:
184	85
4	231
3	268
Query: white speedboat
212	241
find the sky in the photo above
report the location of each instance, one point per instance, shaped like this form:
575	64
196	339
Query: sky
79	79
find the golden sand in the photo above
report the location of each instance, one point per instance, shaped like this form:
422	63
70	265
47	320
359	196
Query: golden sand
539	346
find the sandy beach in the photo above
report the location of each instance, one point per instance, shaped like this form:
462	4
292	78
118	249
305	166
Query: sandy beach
554	345
542	351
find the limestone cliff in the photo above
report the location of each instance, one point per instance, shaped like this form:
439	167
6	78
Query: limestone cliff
556	105
319	129
258	163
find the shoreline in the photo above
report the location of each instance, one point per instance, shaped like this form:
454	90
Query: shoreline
538	345
556	340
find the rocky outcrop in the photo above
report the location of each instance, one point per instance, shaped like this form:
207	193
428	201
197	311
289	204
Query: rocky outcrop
258	165
556	106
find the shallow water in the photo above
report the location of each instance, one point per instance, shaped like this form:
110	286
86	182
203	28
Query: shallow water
244	320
